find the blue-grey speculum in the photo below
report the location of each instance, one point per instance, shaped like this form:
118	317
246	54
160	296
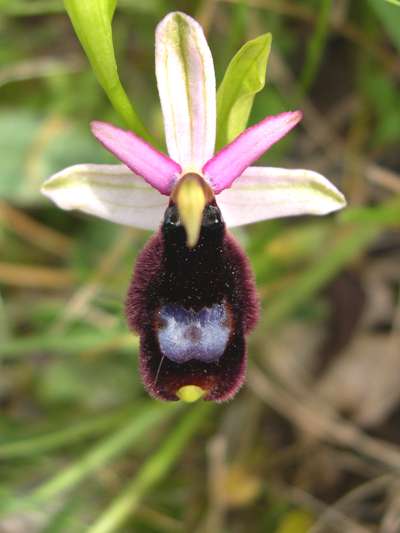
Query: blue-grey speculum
185	334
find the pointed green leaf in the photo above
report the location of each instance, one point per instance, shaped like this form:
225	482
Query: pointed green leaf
91	20
390	18
244	78
153	470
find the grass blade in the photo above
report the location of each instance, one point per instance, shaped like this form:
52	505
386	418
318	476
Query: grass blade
155	468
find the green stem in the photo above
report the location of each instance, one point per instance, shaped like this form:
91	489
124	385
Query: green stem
74	342
29	8
349	242
101	454
39	444
155	468
316	46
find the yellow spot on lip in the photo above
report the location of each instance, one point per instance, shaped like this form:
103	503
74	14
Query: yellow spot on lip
190	393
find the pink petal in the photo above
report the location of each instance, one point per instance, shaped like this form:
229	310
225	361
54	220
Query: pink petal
230	162
155	167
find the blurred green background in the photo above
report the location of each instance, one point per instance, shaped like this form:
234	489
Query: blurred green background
311	443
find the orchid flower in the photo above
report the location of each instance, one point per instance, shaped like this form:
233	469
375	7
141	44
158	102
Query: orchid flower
192	299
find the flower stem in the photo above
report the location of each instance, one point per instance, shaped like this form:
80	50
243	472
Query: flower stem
155	468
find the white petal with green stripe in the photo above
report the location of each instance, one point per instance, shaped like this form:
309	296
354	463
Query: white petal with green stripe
111	192
186	84
263	193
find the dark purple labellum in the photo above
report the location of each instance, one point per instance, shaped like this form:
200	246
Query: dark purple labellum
192	308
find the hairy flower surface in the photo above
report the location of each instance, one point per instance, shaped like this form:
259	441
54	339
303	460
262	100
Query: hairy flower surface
192	299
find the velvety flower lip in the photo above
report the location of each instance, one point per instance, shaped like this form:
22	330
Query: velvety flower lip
167	271
192	280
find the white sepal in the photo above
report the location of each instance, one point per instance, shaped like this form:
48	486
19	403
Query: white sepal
186	85
111	192
263	193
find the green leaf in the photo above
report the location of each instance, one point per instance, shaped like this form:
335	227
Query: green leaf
143	420
343	246
244	78
390	18
151	472
23	8
30	8
72	343
394	2
316	45
40	443
91	20
387	214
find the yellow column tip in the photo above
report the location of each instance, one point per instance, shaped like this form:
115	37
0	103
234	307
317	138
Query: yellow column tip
191	200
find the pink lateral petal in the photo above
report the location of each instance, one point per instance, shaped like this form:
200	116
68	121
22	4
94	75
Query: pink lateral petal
230	162
156	168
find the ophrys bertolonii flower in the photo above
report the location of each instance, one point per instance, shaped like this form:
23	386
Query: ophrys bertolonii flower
192	299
